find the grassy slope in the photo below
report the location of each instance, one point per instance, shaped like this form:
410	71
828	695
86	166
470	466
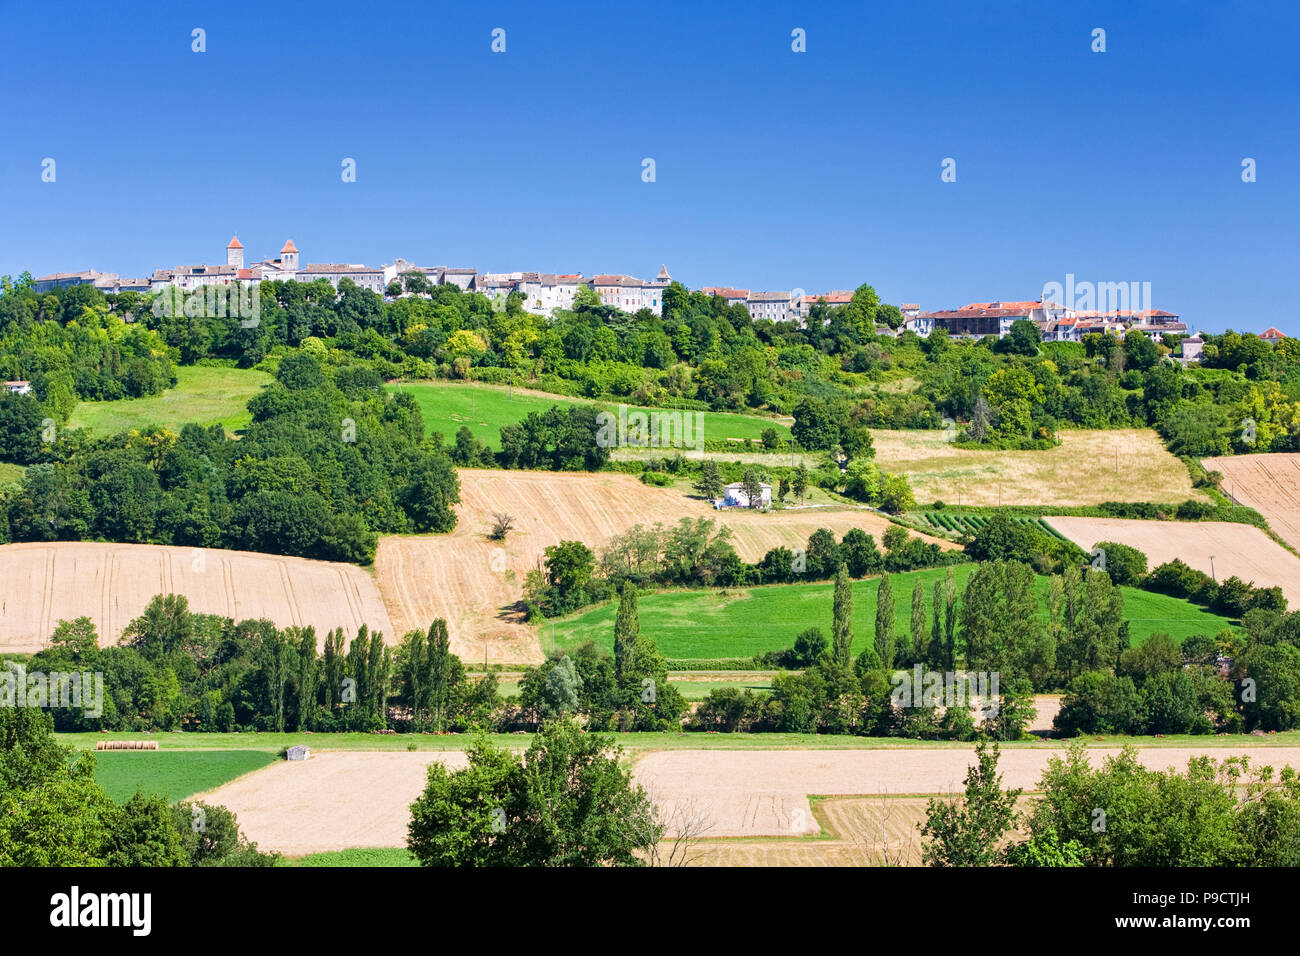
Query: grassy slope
446	406
174	774
10	474
747	621
203	395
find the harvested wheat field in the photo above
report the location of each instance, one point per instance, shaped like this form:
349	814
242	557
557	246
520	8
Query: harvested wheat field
1087	468
339	799
1237	549
754	793
1268	483
332	801
476	584
41	584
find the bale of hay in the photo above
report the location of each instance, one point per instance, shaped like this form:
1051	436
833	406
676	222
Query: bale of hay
126	745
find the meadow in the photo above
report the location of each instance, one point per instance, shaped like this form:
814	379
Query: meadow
204	395
446	406
175	774
742	622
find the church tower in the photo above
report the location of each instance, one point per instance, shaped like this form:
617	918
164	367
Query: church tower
235	253
289	257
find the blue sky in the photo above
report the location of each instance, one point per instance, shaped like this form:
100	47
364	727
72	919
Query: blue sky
774	169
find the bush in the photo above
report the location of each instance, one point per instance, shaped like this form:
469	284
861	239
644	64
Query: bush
1124	564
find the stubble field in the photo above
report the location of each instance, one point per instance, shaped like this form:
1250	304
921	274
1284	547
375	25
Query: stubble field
1268	483
1087	468
41	584
341	800
1221	547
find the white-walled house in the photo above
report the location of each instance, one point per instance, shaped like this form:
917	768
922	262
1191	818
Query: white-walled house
734	496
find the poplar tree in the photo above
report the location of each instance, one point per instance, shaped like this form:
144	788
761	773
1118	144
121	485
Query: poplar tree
842	617
919	649
627	628
307	679
885	643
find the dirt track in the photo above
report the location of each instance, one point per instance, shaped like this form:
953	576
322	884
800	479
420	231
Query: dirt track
338	800
41	584
475	583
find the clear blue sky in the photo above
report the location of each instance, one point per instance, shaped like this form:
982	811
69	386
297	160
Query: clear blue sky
775	169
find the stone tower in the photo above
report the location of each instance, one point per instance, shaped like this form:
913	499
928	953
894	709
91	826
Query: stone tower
235	253
289	257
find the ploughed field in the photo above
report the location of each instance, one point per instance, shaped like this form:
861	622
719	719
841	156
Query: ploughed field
1236	549
476	584
43	583
1268	483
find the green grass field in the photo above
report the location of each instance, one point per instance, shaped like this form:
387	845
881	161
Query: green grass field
10	474
360	856
175	774
446	406
203	395
742	622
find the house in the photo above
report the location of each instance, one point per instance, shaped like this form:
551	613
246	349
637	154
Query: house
835	300
1192	346
18	387
297	752
1272	336
921	325
734	496
729	295
630	293
774	306
910	310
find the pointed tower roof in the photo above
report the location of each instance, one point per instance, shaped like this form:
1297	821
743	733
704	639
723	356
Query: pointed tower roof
289	247
663	273
235	243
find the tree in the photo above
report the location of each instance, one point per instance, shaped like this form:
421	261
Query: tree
752	485
709	484
969	831
799	483
567	802
920	649
885	641
627	630
842	617
562	691
429	493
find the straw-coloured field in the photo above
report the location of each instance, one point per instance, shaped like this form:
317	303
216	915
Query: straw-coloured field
1268	483
338	800
41	584
475	583
1087	468
1219	547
